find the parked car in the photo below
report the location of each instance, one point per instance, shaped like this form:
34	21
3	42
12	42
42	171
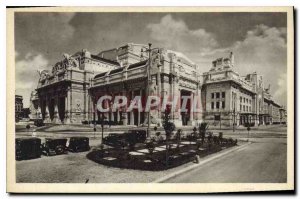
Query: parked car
39	122
115	140
79	144
54	146
27	148
129	138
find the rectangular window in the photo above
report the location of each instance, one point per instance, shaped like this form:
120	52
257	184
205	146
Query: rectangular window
223	94
240	107
217	105
243	107
223	104
217	95
241	99
247	101
244	100
212	105
247	108
212	95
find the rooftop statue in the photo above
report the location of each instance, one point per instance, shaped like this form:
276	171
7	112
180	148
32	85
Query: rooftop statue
70	61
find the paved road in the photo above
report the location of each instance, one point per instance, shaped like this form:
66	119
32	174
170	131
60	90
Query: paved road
263	161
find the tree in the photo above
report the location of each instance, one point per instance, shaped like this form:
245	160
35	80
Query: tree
202	130
169	127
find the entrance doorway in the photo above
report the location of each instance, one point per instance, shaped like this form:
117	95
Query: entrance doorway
185	110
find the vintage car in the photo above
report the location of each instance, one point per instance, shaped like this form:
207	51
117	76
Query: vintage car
129	138
54	146
39	122
79	144
28	148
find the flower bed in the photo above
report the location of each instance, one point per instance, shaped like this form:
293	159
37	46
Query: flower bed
159	158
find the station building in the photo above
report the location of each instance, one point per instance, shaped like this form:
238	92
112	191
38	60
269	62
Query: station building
70	91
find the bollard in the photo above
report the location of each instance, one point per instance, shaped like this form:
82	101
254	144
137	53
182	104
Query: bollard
197	159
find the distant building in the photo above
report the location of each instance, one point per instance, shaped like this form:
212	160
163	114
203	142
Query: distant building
18	107
232	99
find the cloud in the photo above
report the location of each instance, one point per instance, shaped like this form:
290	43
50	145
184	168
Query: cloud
263	50
26	74
43	32
281	90
175	35
47	26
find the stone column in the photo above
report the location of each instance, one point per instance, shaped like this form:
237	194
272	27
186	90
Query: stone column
139	113
67	119
176	93
191	121
199	106
38	113
47	113
179	106
118	113
56	116
159	89
124	110
132	112
106	105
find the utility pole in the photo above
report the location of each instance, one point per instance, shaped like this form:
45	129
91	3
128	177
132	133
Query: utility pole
94	122
149	49
148	88
233	119
102	127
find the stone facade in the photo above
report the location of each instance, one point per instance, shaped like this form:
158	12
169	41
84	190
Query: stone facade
62	94
230	99
69	93
171	73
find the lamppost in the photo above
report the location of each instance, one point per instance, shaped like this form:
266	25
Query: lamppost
94	122
149	50
233	125
102	127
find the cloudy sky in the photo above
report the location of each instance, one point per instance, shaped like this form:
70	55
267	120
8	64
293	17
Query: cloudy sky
258	40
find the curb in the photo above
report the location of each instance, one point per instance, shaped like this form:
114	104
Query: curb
172	175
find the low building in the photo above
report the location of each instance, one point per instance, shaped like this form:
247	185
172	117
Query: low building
18	107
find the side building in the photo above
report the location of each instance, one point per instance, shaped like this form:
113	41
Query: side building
230	99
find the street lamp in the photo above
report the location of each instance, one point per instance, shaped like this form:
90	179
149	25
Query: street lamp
149	50
94	122
102	127
233	114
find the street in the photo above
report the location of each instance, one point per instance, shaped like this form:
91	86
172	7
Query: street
263	161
